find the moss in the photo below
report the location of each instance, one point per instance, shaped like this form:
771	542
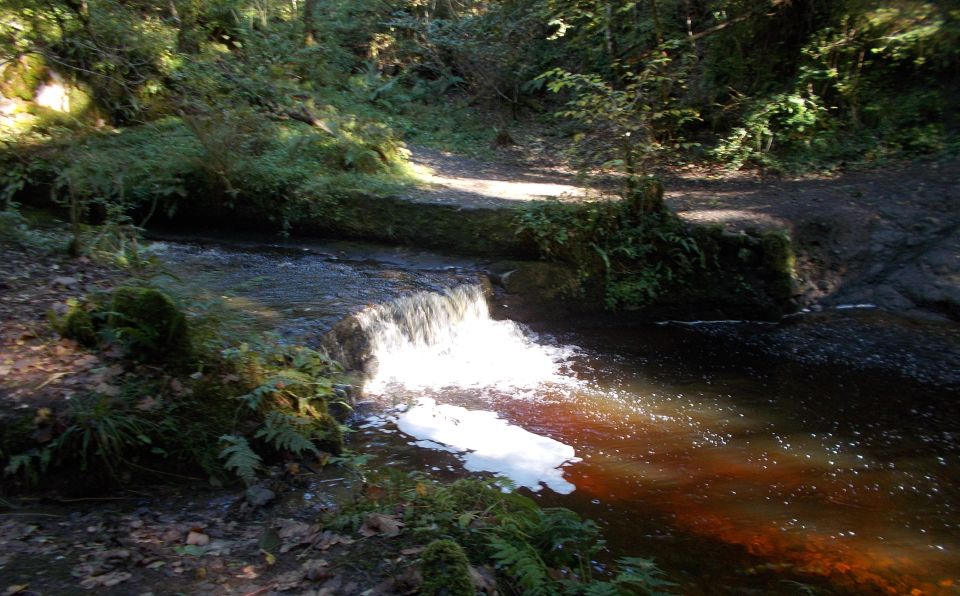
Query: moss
148	322
544	282
778	252
446	571
329	434
78	325
646	196
780	261
22	77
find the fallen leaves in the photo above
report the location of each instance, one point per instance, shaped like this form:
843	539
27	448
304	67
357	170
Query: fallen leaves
195	538
382	524
328	539
106	580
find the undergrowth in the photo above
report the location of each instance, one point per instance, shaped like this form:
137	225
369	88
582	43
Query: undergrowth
535	551
628	251
183	395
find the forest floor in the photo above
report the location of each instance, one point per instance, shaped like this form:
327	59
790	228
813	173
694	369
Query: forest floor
888	236
184	536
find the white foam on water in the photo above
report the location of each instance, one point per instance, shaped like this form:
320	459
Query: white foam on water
487	443
434	341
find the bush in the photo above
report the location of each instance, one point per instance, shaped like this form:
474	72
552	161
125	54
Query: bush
149	324
631	251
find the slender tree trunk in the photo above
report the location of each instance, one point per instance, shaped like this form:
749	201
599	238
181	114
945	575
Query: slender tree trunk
75	248
657	29
608	30
309	25
186	19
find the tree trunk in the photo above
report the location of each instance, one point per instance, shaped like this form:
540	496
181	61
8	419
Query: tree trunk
657	28
309	25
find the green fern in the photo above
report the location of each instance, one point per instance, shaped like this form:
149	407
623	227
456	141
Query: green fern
643	575
31	464
288	432
523	563
241	459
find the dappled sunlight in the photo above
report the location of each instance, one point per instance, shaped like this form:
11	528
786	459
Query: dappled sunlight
53	94
731	218
450	178
509	190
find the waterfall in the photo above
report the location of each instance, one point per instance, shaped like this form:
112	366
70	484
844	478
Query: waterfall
433	340
429	342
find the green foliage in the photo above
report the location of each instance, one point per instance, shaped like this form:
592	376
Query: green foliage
629	120
446	570
149	324
30	465
642	575
143	320
288	432
15	228
78	324
104	434
532	547
791	123
161	415
240	458
631	249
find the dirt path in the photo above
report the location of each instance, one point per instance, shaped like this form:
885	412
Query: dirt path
504	184
888	237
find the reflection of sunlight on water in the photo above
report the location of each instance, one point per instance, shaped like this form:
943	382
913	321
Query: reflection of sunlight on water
487	443
811	502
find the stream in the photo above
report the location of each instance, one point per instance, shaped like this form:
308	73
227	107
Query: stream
736	472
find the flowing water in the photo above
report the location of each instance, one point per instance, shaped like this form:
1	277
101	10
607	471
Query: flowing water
736	472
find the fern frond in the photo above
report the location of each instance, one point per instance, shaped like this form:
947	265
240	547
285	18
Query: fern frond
523	563
241	459
288	432
642	574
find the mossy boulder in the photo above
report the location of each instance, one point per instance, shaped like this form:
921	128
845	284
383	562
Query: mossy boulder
78	325
445	570
780	262
149	324
21	77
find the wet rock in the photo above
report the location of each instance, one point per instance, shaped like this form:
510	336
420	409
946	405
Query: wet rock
888	297
542	282
259	495
348	343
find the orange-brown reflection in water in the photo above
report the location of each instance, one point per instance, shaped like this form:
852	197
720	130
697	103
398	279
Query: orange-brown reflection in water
789	505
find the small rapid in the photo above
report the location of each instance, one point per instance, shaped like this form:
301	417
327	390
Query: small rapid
430	343
433	340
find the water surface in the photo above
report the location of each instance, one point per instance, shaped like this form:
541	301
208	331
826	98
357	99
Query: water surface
735	471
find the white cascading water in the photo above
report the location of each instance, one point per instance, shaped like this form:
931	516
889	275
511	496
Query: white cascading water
430	342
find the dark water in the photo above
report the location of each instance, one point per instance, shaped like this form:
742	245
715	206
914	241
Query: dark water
737	472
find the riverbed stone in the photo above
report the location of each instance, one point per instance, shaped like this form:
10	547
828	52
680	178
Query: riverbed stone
540	281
